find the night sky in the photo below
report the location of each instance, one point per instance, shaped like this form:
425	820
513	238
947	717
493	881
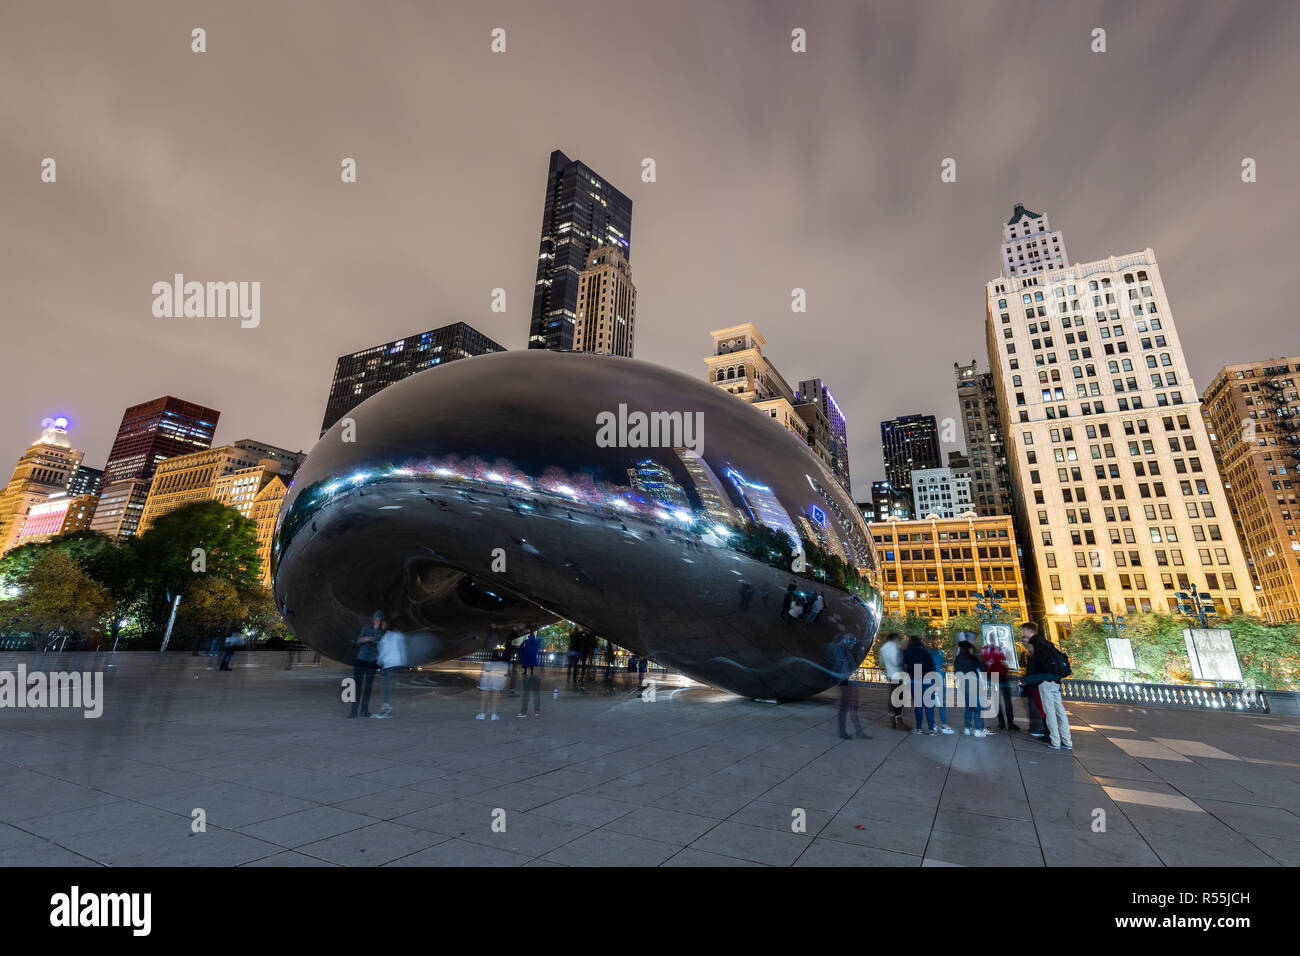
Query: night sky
775	170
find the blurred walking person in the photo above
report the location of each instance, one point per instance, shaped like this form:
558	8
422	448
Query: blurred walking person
918	663
891	662
845	659
532	683
366	663
967	667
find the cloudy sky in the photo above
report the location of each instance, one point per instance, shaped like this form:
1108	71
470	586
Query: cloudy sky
775	170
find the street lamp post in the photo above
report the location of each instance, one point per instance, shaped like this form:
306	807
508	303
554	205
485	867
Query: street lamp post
1198	604
988	607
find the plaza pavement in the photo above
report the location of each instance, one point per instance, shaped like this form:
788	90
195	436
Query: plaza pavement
693	778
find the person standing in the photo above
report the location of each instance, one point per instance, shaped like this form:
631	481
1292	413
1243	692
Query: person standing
890	656
1048	663
392	656
366	662
528	651
937	684
845	659
917	663
967	667
993	661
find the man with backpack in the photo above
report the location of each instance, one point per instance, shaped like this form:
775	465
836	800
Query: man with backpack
1046	668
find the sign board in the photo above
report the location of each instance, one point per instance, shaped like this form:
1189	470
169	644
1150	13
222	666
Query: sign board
1000	635
1212	653
1120	650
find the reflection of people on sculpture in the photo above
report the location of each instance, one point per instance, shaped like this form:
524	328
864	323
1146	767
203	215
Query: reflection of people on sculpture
366	663
746	593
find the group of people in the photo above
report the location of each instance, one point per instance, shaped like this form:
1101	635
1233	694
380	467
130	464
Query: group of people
379	650
918	671
796	605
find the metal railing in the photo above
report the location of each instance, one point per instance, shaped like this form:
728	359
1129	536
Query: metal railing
1187	696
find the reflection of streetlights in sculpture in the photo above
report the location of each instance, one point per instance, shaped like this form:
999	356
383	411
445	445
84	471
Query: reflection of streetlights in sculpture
649	550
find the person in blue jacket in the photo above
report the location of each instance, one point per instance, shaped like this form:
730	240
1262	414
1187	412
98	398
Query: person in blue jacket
918	663
937	684
528	652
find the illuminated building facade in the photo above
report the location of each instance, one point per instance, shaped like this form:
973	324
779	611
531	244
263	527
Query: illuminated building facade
582	212
1254	415
265	511
934	568
1115	483
189	478
738	366
154	431
940	492
40	474
986	447
606	319
58	514
1029	246
826	427
365	373
909	442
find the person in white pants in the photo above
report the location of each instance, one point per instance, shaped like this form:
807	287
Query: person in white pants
1042	662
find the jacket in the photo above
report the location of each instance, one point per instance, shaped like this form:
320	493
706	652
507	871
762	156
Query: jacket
1039	667
891	659
917	660
844	659
994	660
967	663
528	651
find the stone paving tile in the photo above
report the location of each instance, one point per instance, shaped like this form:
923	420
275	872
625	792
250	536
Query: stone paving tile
759	844
695	778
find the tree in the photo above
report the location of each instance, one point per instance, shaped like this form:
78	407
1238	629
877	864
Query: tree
58	598
226	546
211	605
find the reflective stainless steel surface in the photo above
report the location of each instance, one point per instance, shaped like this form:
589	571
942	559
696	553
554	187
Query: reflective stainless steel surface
504	491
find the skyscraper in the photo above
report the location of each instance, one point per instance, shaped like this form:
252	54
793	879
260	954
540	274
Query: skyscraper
153	431
814	392
41	473
150	432
606	321
986	447
1254	414
1114	480
582	212
362	374
1029	246
909	442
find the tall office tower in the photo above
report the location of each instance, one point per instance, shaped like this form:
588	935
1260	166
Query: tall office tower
606	322
150	432
738	366
908	443
814	392
204	476
1114	478
582	213
41	474
986	447
1029	246
362	374
85	481
266	512
153	431
1254	416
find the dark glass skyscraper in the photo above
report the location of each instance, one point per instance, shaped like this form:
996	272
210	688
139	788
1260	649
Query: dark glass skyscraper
153	431
909	442
582	213
362	374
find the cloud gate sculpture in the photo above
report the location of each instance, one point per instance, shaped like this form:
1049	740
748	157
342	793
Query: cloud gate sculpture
473	501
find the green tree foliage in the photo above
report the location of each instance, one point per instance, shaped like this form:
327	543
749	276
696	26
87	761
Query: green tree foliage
212	606
227	539
57	599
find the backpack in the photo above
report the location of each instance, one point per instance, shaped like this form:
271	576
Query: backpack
1061	664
